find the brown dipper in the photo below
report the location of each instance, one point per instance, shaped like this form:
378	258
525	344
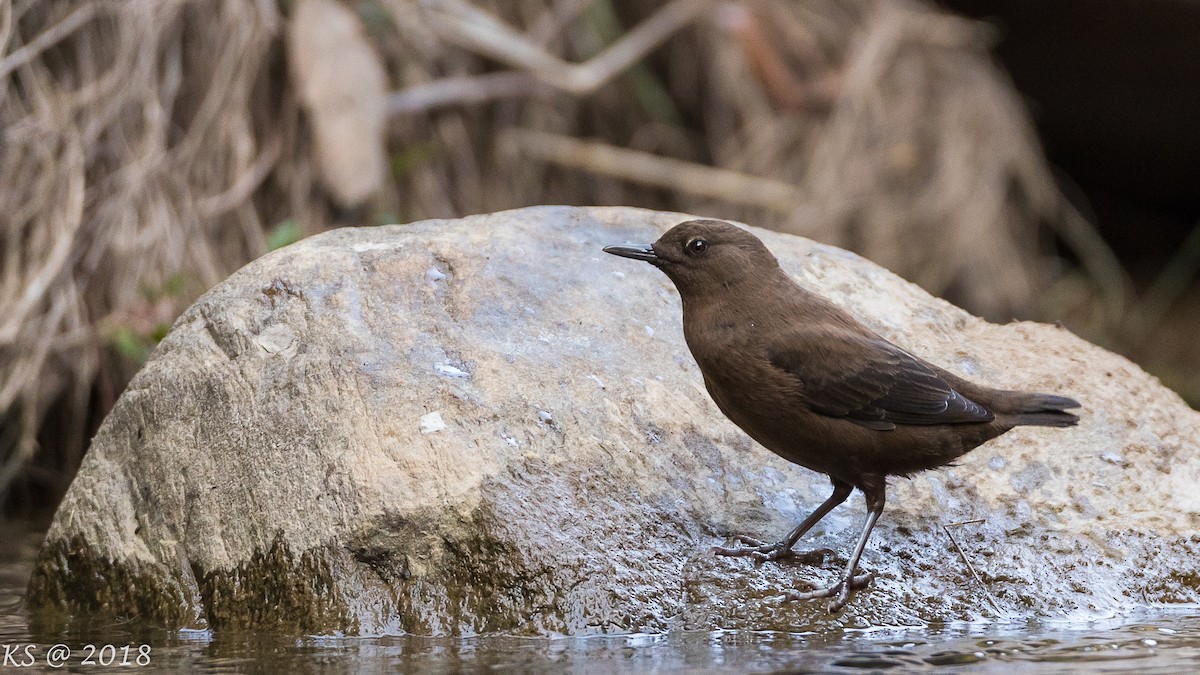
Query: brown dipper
812	384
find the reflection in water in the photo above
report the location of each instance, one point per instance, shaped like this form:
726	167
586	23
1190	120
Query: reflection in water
1151	640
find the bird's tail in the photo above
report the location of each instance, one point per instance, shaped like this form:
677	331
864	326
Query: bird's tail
1045	410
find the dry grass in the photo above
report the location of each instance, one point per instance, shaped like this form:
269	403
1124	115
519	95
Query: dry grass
132	177
152	146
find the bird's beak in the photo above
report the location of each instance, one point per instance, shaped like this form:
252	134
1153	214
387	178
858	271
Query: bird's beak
637	252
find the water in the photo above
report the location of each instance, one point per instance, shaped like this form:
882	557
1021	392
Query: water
1150	640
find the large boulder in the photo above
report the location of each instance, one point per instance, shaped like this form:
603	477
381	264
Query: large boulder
486	424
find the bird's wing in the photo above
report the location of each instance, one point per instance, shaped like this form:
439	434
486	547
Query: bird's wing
871	382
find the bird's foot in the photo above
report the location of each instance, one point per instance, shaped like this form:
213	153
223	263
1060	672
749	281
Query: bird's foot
761	551
839	592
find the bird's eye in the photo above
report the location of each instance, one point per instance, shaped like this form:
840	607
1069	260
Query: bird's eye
697	246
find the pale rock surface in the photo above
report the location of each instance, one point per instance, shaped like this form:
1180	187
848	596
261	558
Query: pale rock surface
486	424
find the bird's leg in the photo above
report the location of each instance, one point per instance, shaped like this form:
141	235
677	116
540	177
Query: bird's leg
874	491
761	550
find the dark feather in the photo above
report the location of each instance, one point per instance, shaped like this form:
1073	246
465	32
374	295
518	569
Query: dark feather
875	384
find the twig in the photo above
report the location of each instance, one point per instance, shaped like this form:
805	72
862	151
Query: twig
641	167
244	184
6	22
475	29
59	257
48	38
465	90
963	555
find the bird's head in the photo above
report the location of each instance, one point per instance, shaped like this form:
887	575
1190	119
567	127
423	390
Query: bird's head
704	256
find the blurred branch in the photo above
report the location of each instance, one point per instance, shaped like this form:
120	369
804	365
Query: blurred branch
465	90
599	28
47	38
244	184
641	167
65	225
480	32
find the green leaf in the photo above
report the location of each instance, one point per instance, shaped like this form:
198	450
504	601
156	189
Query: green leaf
130	345
284	233
375	16
175	285
410	157
159	332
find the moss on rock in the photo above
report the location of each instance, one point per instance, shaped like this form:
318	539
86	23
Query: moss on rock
71	577
279	589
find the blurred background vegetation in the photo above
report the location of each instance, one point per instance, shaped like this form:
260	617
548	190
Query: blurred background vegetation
152	147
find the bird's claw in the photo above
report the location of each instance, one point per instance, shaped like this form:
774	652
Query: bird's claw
761	551
758	549
840	592
752	541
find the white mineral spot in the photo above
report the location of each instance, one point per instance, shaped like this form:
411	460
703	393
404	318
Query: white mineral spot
649	331
448	370
997	463
363	246
619	275
1113	458
596	378
434	274
545	416
432	422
